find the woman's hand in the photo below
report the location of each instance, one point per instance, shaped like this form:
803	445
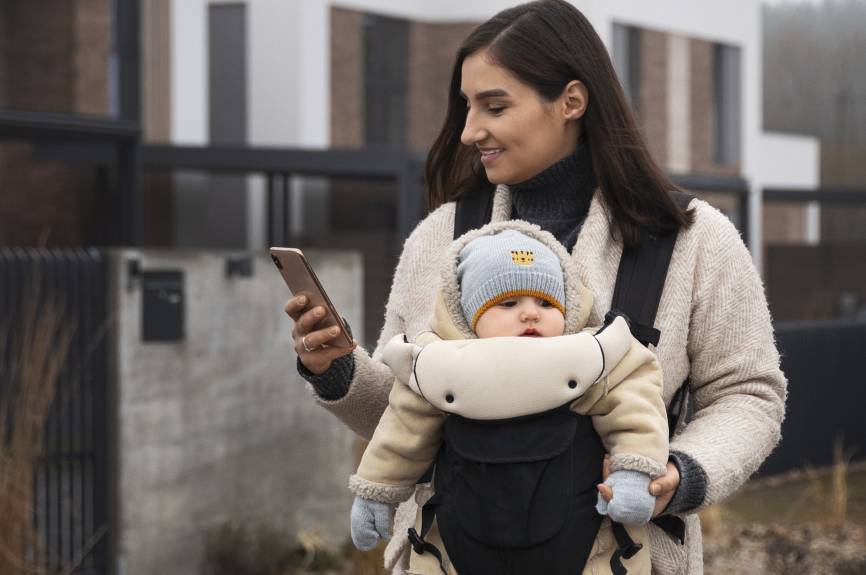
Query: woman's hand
312	345
663	488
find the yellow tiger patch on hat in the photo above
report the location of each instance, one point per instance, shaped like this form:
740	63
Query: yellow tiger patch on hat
523	257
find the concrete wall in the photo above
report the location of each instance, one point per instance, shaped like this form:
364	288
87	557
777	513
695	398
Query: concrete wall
219	427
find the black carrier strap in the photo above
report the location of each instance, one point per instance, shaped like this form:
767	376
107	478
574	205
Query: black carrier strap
419	544
472	211
626	548
641	279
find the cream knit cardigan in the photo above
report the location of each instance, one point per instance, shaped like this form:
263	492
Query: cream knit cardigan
716	330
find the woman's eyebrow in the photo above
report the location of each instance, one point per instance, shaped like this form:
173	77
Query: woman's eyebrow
494	93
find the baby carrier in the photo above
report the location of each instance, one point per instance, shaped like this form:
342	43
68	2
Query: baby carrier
518	495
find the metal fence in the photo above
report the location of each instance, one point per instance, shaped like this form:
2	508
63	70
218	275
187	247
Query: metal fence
826	393
70	487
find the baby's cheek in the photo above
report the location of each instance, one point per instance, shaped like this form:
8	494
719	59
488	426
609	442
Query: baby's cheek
560	323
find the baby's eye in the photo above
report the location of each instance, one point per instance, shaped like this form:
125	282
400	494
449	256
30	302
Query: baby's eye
544	303
508	303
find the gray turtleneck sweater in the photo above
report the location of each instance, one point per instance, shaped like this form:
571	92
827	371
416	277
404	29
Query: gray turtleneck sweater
557	200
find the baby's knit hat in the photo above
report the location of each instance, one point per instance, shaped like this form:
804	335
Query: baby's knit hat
509	264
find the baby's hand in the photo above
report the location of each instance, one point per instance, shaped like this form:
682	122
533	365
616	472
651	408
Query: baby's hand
625	497
370	521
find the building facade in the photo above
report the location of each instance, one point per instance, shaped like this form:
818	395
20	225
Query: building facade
322	73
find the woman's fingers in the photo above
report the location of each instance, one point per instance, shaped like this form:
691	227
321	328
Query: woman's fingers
316	351
664	487
666	483
605	467
295	306
314	347
307	321
315	340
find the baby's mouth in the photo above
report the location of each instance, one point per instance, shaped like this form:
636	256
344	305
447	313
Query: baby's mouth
530	332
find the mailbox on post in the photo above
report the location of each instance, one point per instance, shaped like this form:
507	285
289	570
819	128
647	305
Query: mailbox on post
162	309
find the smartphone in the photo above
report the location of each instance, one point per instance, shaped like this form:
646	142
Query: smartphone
301	279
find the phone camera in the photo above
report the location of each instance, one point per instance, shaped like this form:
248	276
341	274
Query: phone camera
277	262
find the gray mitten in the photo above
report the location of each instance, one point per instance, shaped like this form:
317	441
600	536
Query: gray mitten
632	502
370	521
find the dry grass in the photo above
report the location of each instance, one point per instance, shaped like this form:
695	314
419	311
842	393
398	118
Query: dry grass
812	521
36	350
840	485
244	549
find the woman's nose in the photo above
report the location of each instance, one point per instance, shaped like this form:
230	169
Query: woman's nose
472	131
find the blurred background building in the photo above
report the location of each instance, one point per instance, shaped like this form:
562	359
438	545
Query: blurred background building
177	139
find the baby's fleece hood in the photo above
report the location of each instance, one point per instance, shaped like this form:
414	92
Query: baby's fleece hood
449	320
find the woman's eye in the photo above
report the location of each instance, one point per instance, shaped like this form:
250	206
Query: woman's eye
496	110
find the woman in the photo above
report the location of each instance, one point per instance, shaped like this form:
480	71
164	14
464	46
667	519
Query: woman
535	112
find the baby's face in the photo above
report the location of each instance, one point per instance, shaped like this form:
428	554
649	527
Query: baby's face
521	316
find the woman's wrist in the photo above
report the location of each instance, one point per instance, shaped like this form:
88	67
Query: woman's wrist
333	383
692	488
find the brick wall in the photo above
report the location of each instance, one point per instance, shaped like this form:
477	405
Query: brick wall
702	130
92	46
54	56
784	223
156	70
4	41
41	202
701	59
432	49
652	97
347	78
40	43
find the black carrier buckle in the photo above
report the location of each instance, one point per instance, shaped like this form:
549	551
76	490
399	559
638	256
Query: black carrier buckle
420	546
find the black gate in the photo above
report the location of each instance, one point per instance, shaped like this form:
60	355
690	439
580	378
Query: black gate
70	495
826	393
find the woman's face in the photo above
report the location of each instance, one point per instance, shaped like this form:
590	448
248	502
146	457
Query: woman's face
517	133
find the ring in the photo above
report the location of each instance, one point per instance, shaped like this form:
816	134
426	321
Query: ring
306	347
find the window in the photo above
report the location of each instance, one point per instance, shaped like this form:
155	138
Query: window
386	74
726	104
626	60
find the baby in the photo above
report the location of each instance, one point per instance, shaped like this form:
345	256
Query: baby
516	406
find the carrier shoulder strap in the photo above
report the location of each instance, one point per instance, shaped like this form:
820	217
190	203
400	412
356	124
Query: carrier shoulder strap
641	279
472	211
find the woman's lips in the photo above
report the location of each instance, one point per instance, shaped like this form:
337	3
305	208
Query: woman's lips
490	155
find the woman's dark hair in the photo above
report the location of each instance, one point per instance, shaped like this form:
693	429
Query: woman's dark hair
547	44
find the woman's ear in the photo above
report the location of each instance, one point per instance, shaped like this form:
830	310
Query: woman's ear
574	100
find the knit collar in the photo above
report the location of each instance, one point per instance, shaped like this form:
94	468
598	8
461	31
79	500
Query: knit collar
558	198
